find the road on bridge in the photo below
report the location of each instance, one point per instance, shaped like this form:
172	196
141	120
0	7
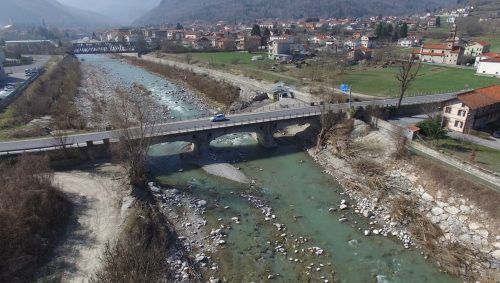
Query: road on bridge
195	125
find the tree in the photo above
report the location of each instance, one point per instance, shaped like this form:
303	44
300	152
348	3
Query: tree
438	21
433	128
179	26
408	72
404	30
255	30
134	114
188	57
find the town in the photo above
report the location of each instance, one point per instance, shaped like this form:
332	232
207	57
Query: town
199	143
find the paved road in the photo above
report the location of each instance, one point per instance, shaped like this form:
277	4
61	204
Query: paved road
204	123
491	143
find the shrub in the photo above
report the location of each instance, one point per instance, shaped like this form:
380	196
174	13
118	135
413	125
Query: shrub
32	212
221	92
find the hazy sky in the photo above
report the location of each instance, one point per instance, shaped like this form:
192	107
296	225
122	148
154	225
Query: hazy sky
124	11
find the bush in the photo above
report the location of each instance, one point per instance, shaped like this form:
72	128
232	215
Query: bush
52	94
140	253
32	213
220	92
432	128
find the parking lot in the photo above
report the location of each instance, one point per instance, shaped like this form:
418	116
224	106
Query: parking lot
16	74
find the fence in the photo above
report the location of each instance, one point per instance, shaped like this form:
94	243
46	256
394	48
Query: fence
18	91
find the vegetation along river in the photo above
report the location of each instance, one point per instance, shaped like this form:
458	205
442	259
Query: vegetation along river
318	247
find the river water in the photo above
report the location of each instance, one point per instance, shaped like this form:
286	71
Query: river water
289	181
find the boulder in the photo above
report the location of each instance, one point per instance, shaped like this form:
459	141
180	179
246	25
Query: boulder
427	197
437	211
452	210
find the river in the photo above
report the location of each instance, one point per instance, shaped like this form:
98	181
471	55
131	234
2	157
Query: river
300	194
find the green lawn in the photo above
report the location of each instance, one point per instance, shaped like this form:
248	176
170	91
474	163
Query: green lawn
485	156
432	79
375	81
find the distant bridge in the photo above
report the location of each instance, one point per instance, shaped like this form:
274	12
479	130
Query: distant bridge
104	47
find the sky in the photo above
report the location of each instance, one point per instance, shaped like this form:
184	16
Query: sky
122	11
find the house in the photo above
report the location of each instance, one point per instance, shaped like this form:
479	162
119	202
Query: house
359	54
176	35
442	53
225	44
282	45
489	67
410	41
202	43
431	22
485	56
473	109
477	48
249	43
191	35
352	44
368	41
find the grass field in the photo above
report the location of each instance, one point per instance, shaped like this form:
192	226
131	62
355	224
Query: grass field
371	80
485	156
432	79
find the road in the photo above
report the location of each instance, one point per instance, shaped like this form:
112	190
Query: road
491	142
195	125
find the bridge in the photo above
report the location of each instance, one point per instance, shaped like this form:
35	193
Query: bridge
201	131
104	47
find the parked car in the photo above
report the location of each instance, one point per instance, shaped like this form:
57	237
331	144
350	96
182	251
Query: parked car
218	118
496	134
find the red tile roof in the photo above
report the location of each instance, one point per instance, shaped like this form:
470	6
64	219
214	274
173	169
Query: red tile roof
492	60
435	46
483	43
481	97
491	55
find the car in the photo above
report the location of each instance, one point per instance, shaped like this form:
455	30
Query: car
218	118
496	134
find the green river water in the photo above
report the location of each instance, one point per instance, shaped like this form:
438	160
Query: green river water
300	196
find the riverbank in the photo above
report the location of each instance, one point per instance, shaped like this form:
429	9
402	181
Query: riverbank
458	233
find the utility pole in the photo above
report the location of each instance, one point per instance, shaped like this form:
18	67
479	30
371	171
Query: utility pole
350	96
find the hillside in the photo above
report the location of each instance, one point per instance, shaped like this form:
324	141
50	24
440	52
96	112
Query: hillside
172	11
50	11
123	11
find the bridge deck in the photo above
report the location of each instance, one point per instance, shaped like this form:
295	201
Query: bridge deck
195	125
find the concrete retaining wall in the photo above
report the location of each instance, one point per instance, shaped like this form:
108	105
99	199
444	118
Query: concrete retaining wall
492	178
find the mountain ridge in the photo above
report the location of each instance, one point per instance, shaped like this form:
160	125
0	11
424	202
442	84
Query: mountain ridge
172	11
52	12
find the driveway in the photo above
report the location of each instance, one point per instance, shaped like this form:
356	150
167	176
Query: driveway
491	142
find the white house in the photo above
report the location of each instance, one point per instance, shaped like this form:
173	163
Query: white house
489	67
477	48
368	41
352	44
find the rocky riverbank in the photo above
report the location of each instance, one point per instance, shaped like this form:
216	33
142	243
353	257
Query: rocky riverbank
447	227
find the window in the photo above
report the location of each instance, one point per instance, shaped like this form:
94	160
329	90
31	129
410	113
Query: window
459	124
463	104
447	110
462	113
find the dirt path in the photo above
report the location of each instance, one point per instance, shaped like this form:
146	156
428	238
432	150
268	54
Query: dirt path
97	198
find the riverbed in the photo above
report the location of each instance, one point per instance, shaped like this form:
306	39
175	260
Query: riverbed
285	244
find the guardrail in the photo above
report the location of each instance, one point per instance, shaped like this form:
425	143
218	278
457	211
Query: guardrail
308	110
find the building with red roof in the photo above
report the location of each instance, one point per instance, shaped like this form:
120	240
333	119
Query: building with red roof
473	109
441	53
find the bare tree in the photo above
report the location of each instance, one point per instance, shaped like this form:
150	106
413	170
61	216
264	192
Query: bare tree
60	141
408	72
134	114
